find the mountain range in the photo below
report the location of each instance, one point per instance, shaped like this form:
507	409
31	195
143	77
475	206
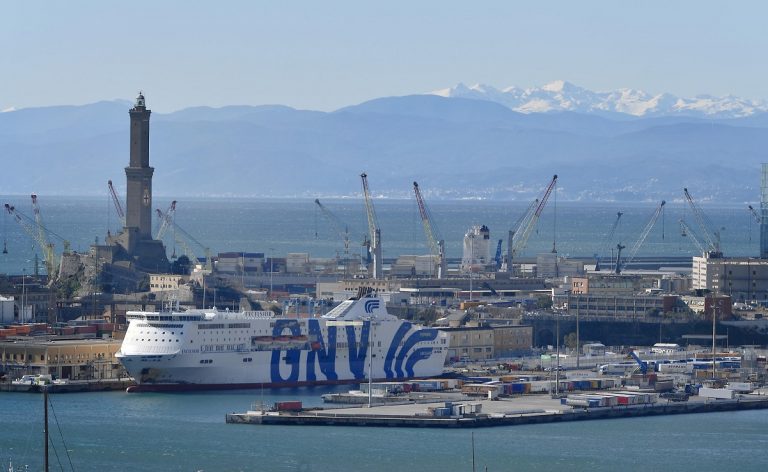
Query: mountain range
461	145
565	96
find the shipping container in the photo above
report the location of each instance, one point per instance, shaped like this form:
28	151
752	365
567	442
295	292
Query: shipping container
288	406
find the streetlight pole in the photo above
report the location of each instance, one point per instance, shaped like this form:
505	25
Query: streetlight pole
557	343
23	293
271	269
578	350
471	262
372	344
714	331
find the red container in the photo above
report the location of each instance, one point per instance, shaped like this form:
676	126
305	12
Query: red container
288	406
22	330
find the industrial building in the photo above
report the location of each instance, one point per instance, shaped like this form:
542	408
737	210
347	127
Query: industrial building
617	306
477	343
745	279
75	359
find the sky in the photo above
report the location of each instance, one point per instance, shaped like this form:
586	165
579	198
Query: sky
324	55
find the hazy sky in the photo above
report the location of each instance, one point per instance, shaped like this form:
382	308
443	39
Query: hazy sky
327	54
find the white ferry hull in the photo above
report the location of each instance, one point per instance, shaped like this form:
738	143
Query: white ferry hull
215	350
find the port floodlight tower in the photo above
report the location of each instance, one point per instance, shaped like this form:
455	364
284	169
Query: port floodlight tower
374	232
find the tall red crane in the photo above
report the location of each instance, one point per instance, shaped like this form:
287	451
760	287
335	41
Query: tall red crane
116	201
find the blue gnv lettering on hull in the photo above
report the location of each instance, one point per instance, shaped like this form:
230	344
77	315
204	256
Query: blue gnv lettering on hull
326	354
357	355
292	356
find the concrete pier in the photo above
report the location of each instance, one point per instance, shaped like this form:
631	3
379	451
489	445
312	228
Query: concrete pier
505	412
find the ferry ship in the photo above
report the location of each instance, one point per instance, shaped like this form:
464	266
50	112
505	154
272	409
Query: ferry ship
203	349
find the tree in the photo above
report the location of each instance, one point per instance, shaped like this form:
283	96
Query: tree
427	316
570	341
181	266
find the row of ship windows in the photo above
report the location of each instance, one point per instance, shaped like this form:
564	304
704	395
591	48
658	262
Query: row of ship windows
148	339
172	332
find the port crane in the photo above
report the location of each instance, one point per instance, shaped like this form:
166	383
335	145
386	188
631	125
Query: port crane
116	202
644	234
340	228
497	258
519	239
183	238
436	244
686	230
755	214
166	220
603	247
619	248
516	228
641	364
374	232
37	231
712	242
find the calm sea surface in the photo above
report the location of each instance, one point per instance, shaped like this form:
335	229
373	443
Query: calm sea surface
277	227
187	432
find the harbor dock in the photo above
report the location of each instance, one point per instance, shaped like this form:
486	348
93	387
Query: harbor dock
486	413
69	386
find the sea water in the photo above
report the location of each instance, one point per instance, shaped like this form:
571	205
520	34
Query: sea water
187	432
277	227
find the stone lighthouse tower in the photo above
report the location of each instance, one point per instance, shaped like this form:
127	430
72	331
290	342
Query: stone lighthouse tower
138	174
134	245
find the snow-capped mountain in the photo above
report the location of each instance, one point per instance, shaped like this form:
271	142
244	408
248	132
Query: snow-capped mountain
565	96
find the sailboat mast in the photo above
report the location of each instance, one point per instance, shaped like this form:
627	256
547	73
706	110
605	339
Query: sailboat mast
45	426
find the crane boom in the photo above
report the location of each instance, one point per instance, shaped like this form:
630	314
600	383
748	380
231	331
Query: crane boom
713	245
436	245
644	234
116	201
530	223
506	264
686	231
183	238
606	242
34	231
341	229
166	220
755	214
373	229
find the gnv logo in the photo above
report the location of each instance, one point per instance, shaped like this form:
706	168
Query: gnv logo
371	305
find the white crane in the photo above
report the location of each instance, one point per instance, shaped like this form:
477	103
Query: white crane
436	245
374	233
644	234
